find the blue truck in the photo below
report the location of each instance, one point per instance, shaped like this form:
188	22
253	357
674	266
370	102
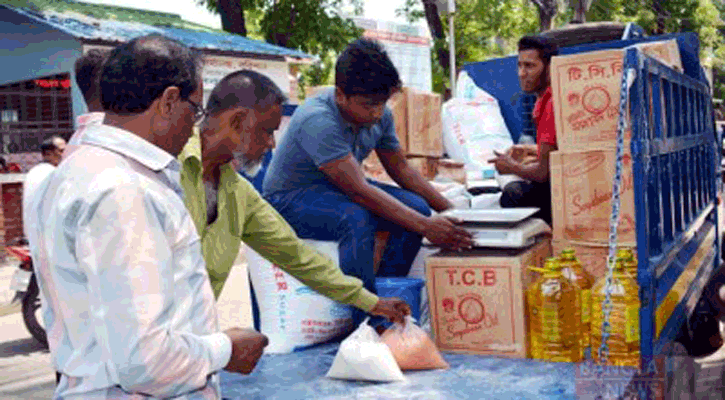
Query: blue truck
676	156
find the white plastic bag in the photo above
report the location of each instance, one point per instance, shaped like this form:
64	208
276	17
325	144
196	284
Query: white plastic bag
412	348
292	315
473	130
363	356
417	270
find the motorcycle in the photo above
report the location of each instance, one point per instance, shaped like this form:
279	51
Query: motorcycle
27	292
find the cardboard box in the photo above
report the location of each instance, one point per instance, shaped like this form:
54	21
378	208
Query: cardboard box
427	166
373	169
581	192
477	299
592	257
398	104
454	170
586	89
425	130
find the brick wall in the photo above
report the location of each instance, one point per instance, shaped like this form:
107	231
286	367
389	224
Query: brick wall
11	219
2	230
25	160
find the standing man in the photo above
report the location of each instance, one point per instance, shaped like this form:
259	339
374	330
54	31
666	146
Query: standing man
130	312
52	152
243	112
316	183
535	53
87	71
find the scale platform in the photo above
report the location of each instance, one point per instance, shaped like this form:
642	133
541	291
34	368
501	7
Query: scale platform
501	228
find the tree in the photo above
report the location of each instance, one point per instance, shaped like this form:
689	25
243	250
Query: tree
547	12
313	26
483	28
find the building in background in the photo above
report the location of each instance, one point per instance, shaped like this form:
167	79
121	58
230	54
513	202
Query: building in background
408	46
39	97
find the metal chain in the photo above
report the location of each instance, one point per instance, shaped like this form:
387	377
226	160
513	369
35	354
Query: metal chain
614	217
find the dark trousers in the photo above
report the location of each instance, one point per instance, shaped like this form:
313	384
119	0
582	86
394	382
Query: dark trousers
529	194
323	212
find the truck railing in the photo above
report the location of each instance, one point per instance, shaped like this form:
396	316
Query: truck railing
676	161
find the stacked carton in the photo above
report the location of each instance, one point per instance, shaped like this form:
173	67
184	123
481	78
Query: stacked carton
417	117
586	96
477	298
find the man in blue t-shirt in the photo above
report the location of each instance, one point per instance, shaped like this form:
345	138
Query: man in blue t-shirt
315	181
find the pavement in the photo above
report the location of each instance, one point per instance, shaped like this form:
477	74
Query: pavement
25	370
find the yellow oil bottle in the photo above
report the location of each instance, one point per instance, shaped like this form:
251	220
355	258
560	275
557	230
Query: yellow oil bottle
575	272
554	327
624	336
668	305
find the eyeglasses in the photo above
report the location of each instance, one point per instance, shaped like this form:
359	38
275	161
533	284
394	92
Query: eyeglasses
199	111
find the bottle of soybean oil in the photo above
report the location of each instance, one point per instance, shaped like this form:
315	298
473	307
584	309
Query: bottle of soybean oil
623	340
668	305
553	322
573	270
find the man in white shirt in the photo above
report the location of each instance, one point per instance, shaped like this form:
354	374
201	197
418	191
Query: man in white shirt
52	151
131	314
87	69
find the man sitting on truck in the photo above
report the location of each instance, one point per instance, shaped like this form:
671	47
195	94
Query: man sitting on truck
531	162
316	183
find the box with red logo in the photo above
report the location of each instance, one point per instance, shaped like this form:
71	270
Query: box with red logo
477	298
581	193
586	89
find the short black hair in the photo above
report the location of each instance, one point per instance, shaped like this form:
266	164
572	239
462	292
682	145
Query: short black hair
48	144
3	163
547	49
244	88
137	73
87	69
364	68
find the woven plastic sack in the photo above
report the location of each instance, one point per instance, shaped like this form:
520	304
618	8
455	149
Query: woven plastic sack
412	348
364	357
292	315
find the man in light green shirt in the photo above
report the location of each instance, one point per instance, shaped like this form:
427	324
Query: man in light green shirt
243	111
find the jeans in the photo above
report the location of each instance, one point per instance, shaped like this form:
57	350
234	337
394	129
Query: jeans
323	212
529	194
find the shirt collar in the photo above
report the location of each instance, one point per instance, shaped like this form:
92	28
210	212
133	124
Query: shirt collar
192	149
90	118
128	144
541	102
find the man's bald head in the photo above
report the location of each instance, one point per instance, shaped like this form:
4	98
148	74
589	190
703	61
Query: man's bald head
244	88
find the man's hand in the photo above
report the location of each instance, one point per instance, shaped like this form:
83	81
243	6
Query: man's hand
520	152
504	163
392	308
442	231
247	348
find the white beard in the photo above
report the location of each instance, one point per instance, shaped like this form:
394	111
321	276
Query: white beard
250	168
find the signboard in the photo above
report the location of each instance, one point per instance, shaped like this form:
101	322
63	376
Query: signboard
407	47
217	67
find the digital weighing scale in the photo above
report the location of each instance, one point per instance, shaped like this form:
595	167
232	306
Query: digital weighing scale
501	227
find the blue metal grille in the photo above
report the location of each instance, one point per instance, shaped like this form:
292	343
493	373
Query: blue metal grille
527	104
675	155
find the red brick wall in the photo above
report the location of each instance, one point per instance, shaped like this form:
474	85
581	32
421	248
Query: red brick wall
2	230
25	160
12	215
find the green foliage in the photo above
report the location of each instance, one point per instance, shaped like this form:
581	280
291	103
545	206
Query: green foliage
700	16
313	26
318	74
483	29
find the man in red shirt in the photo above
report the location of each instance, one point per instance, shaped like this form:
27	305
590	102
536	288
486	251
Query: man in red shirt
531	162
